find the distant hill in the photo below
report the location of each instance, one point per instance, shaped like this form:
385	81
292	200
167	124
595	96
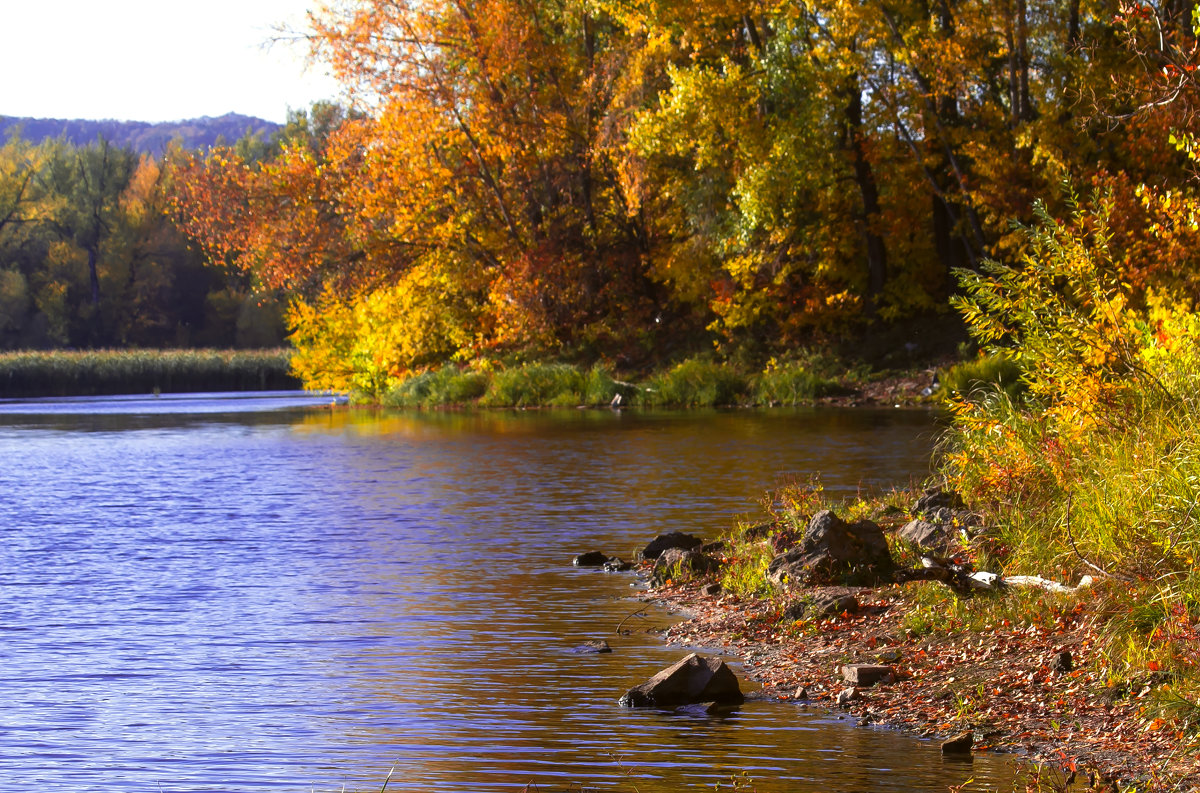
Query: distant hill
141	136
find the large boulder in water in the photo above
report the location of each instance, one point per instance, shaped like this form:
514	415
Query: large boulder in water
675	539
835	552
692	680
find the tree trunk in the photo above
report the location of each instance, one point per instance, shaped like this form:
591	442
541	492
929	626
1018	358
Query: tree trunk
864	177
93	276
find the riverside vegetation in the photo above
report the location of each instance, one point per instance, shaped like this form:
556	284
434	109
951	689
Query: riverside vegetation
96	372
1090	468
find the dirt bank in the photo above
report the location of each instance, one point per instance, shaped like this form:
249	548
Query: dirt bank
1007	685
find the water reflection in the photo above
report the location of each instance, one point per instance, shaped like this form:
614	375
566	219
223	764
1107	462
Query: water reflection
272	600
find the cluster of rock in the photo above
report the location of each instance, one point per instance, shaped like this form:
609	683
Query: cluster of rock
941	521
610	564
695	679
831	551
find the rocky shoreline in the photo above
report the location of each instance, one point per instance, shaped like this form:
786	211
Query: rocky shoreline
1036	690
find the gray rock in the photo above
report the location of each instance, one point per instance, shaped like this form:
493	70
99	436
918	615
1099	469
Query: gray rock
1062	662
928	536
615	565
691	680
937	498
867	675
712	589
834	551
689	563
675	539
823	604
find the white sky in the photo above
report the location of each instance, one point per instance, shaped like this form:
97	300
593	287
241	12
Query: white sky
153	60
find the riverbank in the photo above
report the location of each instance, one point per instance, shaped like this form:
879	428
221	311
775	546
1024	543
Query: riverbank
1024	671
104	372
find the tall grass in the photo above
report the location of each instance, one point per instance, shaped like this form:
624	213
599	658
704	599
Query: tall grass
1097	470
449	385
692	383
549	385
697	383
791	384
96	372
981	375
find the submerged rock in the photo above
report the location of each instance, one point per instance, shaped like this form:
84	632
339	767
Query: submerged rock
593	647
590	559
959	745
692	680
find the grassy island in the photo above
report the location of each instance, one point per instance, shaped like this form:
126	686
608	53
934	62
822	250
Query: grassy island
97	372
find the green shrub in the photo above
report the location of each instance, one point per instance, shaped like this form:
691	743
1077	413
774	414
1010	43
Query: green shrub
988	373
1100	470
696	383
793	384
449	385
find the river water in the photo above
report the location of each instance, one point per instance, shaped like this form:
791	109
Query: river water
256	593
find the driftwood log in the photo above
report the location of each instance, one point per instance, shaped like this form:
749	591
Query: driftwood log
965	581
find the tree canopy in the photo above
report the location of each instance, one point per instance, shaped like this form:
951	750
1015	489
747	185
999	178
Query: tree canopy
629	178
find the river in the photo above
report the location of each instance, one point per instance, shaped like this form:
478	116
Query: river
257	593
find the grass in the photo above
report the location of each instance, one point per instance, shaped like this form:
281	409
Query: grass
449	385
97	372
983	375
692	383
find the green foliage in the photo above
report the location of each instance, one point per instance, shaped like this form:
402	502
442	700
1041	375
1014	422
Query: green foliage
89	258
532	385
697	383
1100	469
983	375
449	385
33	374
553	385
790	385
745	571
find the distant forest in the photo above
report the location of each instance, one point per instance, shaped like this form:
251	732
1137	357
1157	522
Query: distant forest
140	136
91	250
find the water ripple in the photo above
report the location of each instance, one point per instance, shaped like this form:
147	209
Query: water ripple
230	595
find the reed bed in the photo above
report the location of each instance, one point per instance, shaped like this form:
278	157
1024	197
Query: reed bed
99	372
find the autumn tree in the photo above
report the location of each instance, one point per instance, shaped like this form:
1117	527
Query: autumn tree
635	179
